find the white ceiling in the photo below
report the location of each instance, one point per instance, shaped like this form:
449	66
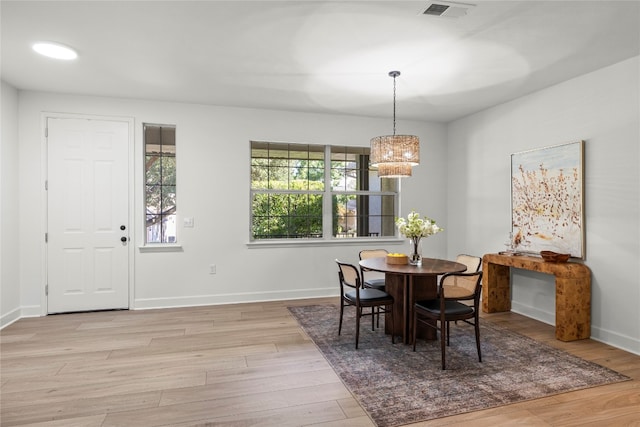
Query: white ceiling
316	56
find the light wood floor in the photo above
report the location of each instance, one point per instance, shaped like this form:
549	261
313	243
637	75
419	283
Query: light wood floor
239	365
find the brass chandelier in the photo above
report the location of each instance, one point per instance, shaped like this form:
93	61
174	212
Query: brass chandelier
394	155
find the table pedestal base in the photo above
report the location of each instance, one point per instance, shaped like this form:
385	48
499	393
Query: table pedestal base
406	290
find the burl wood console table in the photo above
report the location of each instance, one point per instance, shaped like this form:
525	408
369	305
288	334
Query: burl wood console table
573	291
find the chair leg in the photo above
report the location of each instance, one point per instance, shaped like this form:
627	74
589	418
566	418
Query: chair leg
477	327
389	310
448	335
358	315
415	327
341	313
373	318
443	337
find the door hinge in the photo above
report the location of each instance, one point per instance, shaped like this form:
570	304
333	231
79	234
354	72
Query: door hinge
46	132
46	185
46	237
46	290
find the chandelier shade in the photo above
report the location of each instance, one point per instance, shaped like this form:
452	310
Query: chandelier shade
394	170
395	149
394	155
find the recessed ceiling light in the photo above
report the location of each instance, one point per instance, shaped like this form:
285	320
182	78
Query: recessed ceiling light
55	50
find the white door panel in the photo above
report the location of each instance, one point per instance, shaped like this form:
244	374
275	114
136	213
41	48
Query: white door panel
87	263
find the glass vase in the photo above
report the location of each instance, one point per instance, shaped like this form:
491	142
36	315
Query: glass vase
415	252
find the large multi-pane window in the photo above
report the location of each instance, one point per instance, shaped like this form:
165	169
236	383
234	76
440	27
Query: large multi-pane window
160	183
316	191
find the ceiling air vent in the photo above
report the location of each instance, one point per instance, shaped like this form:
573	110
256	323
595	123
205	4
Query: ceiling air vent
447	9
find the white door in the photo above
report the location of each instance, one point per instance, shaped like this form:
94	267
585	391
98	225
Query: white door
88	211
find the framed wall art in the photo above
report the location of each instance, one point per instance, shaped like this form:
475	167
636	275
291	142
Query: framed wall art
547	199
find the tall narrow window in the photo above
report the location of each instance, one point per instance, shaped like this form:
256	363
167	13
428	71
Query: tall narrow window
160	183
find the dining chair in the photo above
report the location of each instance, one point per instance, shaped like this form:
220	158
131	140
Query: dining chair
370	278
352	293
453	289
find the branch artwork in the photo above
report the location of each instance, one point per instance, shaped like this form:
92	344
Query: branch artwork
547	205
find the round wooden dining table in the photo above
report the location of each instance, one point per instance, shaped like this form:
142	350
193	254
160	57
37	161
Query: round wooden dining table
408	284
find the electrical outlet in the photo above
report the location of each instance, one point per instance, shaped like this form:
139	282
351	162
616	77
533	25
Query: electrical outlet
212	269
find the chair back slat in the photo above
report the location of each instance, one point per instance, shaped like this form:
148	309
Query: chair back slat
461	285
349	275
373	253
473	263
367	274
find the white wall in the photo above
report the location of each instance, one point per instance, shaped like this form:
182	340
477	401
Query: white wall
463	182
9	241
213	188
603	109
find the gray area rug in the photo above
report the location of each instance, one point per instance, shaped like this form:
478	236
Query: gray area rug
397	386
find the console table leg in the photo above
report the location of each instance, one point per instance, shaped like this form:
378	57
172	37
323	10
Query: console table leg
573	308
496	288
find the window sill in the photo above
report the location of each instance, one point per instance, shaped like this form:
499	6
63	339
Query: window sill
296	243
160	248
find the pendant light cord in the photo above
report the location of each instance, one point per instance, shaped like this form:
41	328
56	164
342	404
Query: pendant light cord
394	74
394	105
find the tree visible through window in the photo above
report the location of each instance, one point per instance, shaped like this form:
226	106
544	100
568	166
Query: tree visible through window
287	184
289	193
160	183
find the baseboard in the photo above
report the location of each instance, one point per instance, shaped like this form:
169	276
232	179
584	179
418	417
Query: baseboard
19	313
615	339
535	313
604	336
10	317
151	303
192	301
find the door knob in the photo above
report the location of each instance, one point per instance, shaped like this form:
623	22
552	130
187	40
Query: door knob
123	239
122	227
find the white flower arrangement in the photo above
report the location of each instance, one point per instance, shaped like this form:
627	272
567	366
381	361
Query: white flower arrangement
415	227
